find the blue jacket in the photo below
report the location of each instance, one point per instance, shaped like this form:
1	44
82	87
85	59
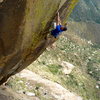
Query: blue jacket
56	31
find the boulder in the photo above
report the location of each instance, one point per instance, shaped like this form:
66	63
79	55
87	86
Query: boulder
67	67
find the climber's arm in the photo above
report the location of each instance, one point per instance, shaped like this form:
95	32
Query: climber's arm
58	20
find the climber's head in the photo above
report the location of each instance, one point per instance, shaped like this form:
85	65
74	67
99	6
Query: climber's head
63	28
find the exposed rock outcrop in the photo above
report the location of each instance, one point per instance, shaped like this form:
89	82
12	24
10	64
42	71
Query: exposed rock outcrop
22	31
67	67
47	88
8	94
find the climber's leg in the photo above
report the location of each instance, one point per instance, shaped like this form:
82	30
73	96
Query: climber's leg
50	40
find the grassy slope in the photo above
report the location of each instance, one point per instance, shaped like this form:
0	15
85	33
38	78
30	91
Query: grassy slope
86	59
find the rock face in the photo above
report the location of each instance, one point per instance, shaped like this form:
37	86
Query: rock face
23	26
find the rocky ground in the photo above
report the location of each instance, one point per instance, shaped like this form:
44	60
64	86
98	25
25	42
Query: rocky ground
7	94
39	88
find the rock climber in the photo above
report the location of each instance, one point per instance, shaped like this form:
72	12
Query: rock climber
56	30
58	27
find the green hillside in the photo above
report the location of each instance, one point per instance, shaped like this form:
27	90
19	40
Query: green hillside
86	30
87	10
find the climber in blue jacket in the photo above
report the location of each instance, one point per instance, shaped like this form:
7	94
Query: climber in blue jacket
58	27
